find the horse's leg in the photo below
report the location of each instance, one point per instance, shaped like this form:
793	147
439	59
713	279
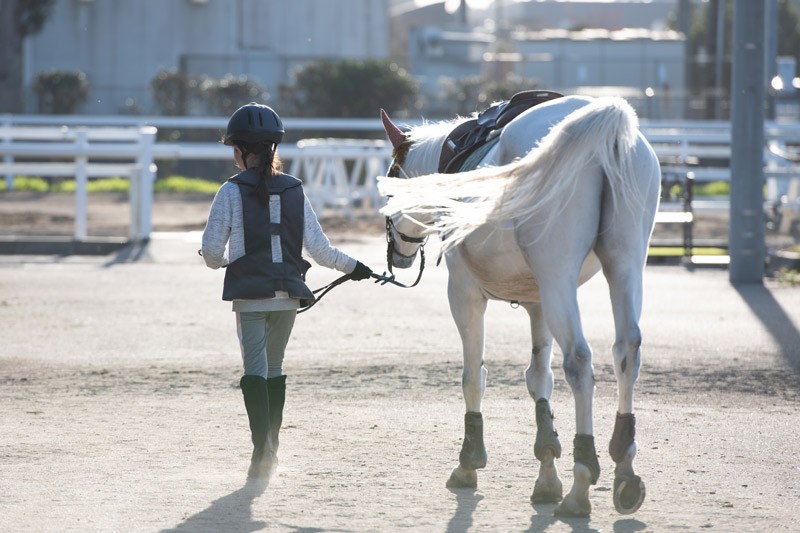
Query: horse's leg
559	300
468	305
622	249
556	258
539	380
557	277
625	286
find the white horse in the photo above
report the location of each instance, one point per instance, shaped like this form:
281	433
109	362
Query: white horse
571	187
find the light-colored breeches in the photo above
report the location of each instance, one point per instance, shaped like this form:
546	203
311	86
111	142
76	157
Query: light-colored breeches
263	337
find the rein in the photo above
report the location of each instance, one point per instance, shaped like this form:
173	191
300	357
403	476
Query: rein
381	279
394	170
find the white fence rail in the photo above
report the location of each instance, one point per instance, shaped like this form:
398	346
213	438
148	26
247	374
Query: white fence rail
338	174
89	153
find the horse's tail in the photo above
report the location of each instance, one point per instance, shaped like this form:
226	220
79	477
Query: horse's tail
604	131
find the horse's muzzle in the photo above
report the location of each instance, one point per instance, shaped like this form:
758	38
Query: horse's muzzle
402	261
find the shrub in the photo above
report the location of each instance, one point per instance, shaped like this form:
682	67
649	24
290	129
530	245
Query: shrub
61	92
348	88
171	92
228	94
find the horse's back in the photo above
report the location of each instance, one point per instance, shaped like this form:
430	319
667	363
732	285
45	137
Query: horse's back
526	130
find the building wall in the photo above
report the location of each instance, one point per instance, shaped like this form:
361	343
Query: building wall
542	14
645	66
122	44
604	58
642	65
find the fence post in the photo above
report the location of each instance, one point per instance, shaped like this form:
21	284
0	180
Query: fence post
144	193
787	213
8	158
134	197
81	177
9	176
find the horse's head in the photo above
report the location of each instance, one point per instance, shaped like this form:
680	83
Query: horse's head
405	231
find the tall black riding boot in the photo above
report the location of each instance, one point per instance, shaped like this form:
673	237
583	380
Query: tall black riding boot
276	389
256	401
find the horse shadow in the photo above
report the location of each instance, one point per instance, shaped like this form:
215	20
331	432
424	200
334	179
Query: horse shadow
543	519
466	503
231	513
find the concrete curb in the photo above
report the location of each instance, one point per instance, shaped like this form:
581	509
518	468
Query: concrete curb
49	245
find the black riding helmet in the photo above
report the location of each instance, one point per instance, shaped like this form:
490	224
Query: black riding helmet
254	123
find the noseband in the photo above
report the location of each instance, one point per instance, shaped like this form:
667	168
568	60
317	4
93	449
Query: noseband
391	230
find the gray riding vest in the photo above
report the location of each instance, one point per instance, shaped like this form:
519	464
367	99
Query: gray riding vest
255	275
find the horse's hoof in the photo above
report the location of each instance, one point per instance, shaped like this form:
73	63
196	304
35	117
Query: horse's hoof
462	479
547	493
628	494
545	496
571	508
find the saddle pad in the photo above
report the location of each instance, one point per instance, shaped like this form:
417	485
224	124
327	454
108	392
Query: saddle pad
474	159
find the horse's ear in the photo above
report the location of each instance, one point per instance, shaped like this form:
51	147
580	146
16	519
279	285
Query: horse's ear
396	136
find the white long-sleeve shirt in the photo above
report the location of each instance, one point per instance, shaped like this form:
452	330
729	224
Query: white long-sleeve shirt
223	243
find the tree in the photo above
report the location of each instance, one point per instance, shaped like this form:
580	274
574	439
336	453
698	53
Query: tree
788	30
701	41
465	96
348	89
18	19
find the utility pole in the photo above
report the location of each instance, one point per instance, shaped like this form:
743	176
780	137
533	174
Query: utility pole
746	231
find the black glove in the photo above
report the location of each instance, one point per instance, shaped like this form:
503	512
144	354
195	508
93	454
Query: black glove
361	271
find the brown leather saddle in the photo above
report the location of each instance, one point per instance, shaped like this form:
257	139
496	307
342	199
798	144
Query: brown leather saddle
474	133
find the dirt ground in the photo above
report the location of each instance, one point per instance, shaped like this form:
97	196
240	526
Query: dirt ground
120	408
108	214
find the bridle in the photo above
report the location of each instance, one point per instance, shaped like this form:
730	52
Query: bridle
398	157
391	230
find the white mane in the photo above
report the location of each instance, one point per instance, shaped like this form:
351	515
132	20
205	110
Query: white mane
426	145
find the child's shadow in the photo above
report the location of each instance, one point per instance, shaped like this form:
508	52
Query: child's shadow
230	513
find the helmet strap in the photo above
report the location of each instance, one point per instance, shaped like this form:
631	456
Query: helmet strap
245	154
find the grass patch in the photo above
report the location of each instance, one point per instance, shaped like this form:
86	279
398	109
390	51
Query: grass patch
170	184
679	251
25	183
186	185
93	185
713	188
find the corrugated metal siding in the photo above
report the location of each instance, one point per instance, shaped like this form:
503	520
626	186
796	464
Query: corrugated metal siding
122	44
